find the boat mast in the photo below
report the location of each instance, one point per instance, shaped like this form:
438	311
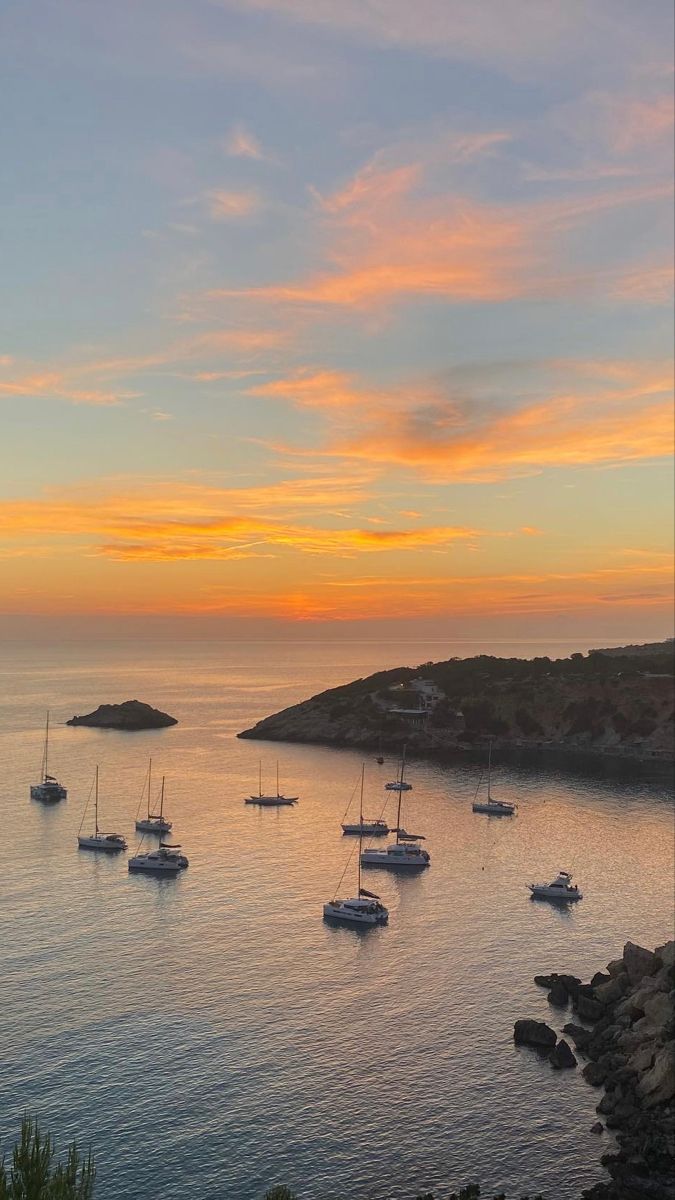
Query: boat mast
489	766
363	767
149	786
161	799
260	776
277	779
96	804
400	793
46	753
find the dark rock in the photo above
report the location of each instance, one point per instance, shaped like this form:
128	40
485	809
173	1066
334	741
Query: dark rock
598	1127
570	982
130	717
594	1074
612	989
599	978
580	1036
558	995
533	1033
639	962
546	981
589	1009
562	1057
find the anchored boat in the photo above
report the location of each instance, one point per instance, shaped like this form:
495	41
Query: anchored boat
163	861
561	888
153	822
269	801
365	908
493	808
405	853
365	826
49	790
110	843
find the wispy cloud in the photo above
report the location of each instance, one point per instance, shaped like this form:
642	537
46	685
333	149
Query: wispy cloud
241	143
230	205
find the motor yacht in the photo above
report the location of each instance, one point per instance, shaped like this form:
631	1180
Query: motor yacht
561	888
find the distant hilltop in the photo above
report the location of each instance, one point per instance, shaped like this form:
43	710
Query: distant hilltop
131	716
616	701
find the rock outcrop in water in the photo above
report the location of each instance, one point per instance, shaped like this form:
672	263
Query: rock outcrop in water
629	1042
131	716
619	704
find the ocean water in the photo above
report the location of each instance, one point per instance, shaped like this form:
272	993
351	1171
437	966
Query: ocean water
209	1035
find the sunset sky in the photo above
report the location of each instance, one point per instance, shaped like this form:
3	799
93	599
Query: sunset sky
339	310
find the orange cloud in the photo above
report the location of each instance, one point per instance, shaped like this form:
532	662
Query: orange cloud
622	414
241	143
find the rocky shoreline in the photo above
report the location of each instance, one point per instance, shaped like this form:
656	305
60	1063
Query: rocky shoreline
628	1040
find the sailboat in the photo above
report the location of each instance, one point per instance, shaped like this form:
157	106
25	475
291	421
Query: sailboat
110	842
49	791
494	808
365	908
153	822
370	826
264	801
404	853
163	861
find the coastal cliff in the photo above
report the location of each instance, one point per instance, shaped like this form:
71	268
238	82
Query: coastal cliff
610	702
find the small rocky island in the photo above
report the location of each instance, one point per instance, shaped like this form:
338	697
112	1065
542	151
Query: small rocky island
617	701
131	716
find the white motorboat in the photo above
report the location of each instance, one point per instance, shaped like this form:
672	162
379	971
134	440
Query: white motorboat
404	853
493	808
561	888
153	822
49	790
270	801
365	908
109	843
365	826
162	861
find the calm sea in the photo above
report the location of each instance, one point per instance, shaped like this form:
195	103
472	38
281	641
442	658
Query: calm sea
209	1035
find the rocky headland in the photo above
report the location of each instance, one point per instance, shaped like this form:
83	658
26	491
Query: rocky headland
625	1028
616	702
131	716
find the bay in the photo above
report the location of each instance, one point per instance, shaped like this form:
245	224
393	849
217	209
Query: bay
210	1036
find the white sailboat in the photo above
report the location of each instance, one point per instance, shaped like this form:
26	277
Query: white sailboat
368	826
49	790
153	822
108	842
365	908
270	801
493	808
404	853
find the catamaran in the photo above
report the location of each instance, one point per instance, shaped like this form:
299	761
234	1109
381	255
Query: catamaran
153	822
365	908
163	861
49	791
270	801
494	808
109	842
404	853
370	826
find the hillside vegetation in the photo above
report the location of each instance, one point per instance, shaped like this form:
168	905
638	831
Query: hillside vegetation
613	702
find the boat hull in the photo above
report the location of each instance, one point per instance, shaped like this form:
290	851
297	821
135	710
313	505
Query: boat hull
152	826
557	895
271	801
101	843
494	810
169	869
48	793
366	830
392	862
332	912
